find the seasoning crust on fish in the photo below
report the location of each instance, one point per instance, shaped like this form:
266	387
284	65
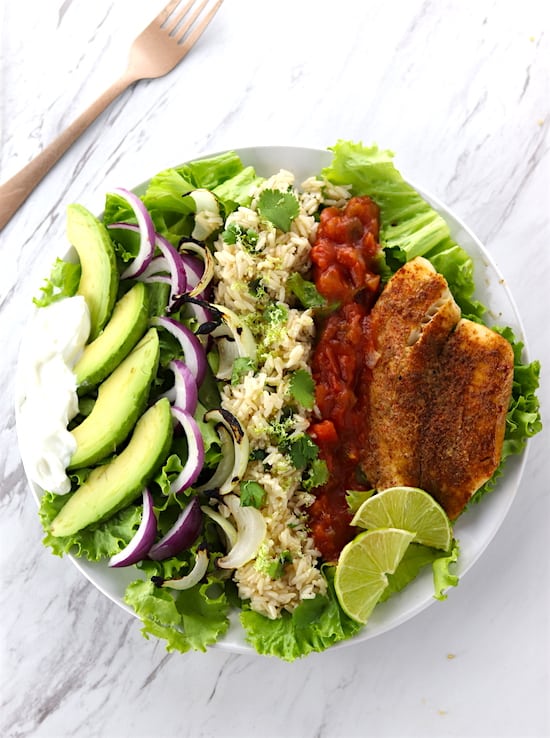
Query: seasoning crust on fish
439	392
464	428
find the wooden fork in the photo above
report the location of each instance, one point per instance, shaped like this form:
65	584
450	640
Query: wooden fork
153	54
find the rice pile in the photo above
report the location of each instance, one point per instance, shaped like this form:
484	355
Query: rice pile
249	281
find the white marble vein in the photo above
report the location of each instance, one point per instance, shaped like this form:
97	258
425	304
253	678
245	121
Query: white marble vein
460	91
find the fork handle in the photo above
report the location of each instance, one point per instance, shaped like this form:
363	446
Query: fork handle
15	191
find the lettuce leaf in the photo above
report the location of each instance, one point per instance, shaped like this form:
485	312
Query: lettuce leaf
236	190
189	620
167	190
167	473
416	558
63	282
96	542
167	194
409	226
443	577
314	625
117	211
523	418
210	172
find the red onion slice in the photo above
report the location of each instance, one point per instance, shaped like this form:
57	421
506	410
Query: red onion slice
162	278
181	535
195	451
184	394
144	537
157	265
191	347
146	231
194	269
150	270
176	267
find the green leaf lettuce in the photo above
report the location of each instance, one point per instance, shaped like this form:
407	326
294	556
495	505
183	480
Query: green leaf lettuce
409	226
95	542
188	620
314	625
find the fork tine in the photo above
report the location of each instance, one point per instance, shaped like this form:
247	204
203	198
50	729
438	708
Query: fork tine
165	13
186	13
187	41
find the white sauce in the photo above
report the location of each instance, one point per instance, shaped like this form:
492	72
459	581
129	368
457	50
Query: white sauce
48	400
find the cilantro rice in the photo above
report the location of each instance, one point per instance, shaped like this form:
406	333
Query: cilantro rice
251	275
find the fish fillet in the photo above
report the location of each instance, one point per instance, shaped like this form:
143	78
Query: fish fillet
411	321
439	392
464	431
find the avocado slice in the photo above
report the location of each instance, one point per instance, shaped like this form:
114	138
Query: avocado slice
121	399
115	485
124	329
99	274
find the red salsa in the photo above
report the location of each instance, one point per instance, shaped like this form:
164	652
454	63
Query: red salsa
344	260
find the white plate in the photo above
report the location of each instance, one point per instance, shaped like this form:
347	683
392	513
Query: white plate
476	527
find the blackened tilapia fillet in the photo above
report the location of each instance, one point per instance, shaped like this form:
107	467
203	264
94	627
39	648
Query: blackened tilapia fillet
464	428
411	320
439	393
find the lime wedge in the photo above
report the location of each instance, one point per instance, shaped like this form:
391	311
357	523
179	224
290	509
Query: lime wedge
362	567
408	508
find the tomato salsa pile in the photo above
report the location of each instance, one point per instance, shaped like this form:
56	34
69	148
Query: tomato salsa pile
344	258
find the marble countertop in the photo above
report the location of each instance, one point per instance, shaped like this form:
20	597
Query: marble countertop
460	92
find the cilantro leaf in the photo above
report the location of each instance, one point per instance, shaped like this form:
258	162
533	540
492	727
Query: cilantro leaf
275	314
276	568
305	291
317	474
280	208
269	327
257	288
257	454
246	239
280	429
302	388
241	366
302	450
356	497
252	494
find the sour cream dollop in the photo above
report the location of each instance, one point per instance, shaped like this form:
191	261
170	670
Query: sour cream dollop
47	398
